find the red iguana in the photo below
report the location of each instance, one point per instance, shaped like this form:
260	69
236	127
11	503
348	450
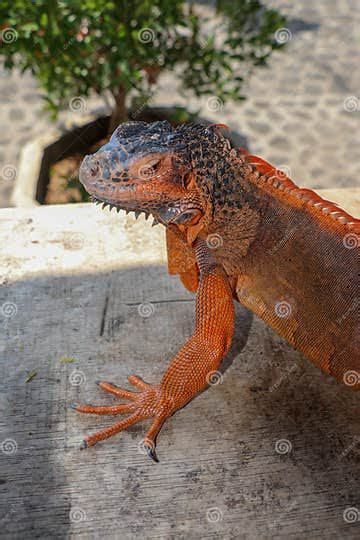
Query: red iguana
236	228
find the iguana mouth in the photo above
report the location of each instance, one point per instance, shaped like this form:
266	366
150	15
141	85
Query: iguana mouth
188	215
107	204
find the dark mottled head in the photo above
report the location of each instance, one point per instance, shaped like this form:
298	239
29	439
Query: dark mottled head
156	169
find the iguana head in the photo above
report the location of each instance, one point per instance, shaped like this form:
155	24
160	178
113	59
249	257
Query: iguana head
157	169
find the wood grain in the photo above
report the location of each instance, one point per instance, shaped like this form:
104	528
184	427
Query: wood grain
77	281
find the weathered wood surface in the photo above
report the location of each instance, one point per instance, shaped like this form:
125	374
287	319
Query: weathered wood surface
270	452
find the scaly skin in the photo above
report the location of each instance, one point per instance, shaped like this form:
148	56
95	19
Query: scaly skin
236	228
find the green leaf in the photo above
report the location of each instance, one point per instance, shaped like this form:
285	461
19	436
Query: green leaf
43	19
29	27
31	376
67	360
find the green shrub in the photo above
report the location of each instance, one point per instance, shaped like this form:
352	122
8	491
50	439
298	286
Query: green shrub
81	46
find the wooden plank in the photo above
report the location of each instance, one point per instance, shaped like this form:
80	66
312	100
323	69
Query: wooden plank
271	451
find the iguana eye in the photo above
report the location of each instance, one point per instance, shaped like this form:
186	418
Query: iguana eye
148	170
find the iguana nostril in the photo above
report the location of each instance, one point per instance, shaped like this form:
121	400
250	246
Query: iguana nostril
94	169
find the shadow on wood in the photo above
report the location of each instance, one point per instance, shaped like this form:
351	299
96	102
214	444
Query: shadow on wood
263	448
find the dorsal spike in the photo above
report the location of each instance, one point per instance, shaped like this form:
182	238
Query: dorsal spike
285	184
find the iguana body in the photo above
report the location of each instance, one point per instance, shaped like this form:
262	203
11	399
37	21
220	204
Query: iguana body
236	228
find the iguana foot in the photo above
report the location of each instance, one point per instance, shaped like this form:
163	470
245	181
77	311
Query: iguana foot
149	402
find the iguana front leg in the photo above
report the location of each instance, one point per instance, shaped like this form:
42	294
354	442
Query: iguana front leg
189	371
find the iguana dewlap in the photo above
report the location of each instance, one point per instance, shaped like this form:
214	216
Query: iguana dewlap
237	228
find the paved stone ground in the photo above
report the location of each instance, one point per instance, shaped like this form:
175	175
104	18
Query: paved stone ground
302	113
